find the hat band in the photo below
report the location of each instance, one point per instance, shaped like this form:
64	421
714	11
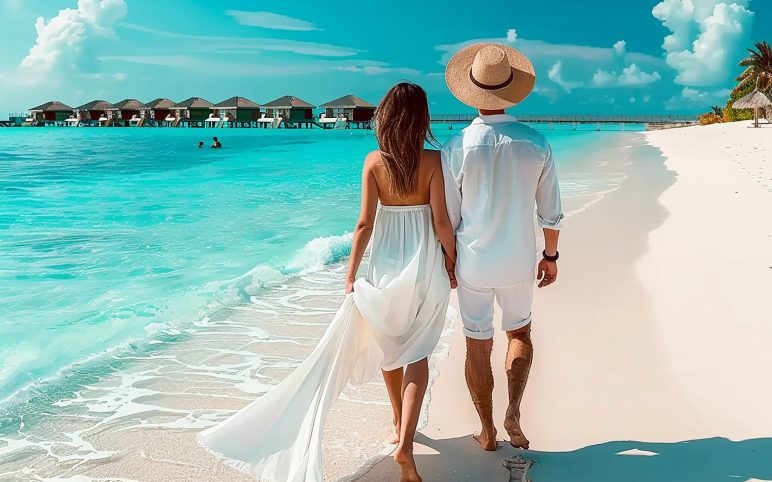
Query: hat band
492	87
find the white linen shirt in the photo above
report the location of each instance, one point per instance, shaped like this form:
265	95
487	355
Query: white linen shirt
495	171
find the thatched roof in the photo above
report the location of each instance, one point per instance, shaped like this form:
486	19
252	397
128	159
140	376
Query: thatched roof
195	103
237	103
97	105
754	100
53	106
348	102
288	102
160	103
130	104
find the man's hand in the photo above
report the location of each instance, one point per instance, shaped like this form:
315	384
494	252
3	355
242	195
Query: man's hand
450	267
547	273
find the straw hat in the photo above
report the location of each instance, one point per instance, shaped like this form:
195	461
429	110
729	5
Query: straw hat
490	76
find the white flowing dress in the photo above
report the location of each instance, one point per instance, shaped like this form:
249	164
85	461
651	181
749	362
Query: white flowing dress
394	317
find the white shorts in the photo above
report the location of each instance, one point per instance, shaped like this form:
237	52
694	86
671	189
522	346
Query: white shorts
476	306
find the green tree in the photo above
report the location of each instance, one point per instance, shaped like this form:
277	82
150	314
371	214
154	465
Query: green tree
732	115
758	68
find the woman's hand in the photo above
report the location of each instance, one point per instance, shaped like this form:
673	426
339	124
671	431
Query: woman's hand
349	287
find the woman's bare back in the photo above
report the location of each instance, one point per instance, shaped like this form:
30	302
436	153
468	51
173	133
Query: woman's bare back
430	162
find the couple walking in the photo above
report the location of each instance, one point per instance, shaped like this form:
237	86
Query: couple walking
460	218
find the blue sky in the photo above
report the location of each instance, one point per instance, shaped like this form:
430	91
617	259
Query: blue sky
591	56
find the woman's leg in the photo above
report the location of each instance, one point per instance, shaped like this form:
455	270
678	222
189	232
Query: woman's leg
413	390
393	380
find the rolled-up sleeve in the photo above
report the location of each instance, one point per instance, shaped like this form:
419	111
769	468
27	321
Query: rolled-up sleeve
452	181
548	206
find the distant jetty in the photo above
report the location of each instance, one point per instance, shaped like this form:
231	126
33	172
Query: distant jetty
289	112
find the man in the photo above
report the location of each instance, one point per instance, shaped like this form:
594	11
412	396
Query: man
216	143
496	170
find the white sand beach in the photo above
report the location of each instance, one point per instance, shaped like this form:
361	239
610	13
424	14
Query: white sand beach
652	352
652	358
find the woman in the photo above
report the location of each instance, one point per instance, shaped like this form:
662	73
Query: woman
390	320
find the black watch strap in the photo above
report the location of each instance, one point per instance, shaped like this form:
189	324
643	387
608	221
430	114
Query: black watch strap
550	258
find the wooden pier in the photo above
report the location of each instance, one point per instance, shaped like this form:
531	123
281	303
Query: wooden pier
651	122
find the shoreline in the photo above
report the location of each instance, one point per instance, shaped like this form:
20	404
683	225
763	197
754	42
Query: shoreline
141	420
621	376
155	407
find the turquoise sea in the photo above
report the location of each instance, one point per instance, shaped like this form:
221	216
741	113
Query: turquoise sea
115	241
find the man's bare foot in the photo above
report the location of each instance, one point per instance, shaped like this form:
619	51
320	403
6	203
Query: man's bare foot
407	465
516	436
394	435
487	440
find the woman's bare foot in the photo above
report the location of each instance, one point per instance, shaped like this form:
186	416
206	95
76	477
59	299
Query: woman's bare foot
487	440
394	435
407	465
516	436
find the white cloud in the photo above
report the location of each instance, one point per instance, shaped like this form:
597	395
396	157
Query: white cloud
67	42
270	20
693	98
260	69
620	47
539	50
705	38
633	100
555	74
13	5
378	69
511	35
694	94
550	93
646	99
631	76
214	43
117	77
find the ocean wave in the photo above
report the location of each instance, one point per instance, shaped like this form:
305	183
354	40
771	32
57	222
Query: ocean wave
193	307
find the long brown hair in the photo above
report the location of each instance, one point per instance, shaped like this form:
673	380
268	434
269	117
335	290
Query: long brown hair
402	125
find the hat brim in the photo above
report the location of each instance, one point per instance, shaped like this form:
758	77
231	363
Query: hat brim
460	83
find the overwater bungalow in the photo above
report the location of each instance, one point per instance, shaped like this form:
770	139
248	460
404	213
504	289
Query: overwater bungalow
161	109
100	111
237	110
50	112
293	111
193	109
132	111
349	109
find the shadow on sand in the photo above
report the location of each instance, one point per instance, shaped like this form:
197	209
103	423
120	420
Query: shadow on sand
703	460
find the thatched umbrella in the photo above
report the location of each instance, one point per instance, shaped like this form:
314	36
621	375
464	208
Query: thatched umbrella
756	100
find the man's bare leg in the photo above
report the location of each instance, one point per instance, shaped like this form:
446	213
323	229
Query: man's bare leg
517	365
393	380
479	379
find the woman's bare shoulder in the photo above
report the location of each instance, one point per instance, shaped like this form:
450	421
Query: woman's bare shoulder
431	159
373	156
372	159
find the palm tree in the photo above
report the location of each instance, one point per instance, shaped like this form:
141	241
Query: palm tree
758	68
718	110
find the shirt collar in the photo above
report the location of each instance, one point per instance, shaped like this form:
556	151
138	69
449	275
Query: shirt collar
493	119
